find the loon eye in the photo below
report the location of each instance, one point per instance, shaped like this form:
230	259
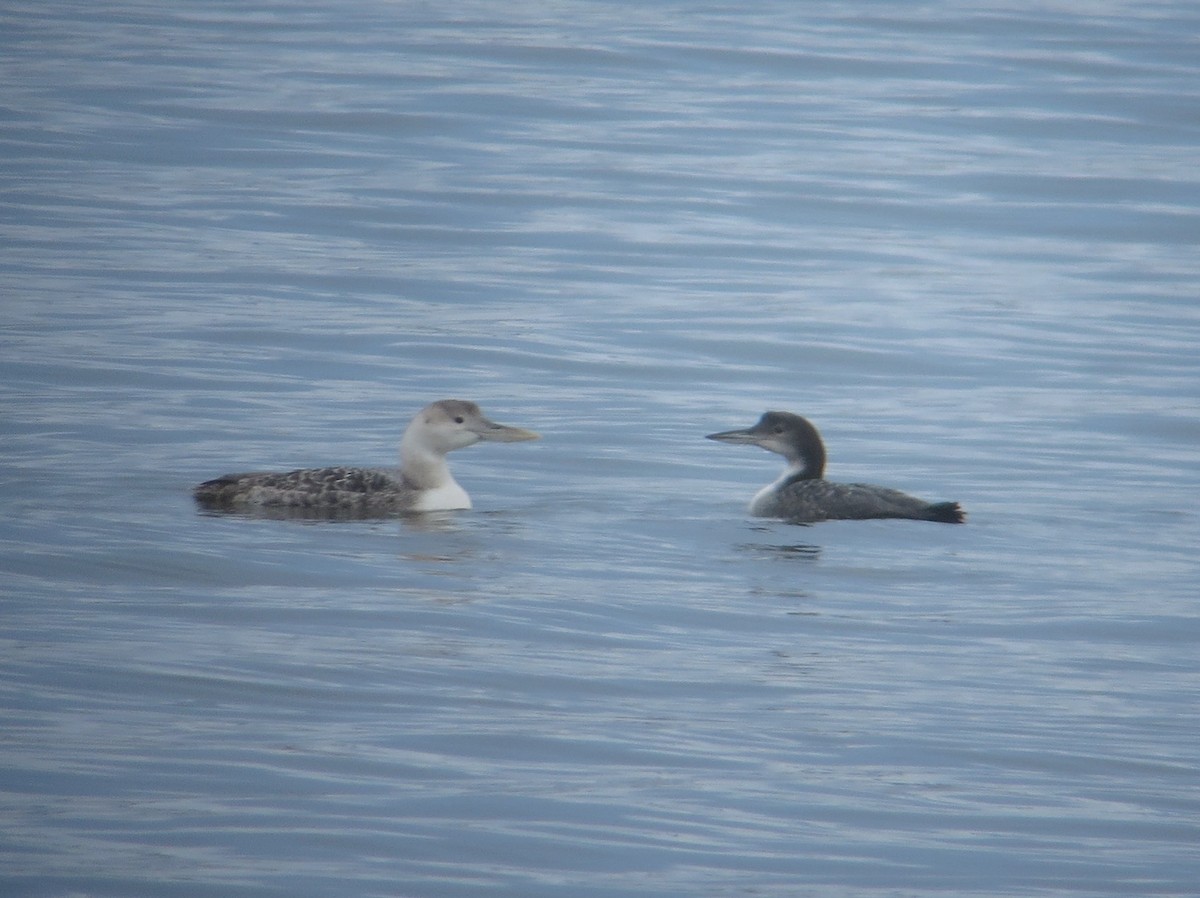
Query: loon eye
779	428
458	419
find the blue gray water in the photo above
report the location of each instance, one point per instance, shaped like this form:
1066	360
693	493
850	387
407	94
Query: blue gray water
962	238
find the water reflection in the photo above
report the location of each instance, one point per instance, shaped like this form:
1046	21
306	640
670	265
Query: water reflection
424	522
803	552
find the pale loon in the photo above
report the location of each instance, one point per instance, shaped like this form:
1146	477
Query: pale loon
422	483
802	495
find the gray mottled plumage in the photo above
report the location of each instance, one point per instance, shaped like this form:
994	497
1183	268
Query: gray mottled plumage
803	495
423	481
824	500
314	489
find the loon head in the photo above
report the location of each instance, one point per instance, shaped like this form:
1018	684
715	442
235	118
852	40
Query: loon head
793	437
450	424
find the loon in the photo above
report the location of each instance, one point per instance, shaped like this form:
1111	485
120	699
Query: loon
802	495
422	483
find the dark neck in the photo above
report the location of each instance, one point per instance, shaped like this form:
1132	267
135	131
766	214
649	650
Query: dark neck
807	462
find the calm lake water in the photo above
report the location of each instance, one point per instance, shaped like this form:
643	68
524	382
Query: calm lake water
962	238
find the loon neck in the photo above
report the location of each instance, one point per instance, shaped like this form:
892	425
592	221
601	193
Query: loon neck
804	450
807	463
794	474
423	468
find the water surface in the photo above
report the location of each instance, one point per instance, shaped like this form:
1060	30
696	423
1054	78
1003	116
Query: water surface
960	238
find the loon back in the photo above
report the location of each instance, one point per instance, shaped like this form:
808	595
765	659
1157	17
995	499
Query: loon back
808	501
312	488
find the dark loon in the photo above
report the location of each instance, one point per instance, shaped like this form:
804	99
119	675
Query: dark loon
802	495
422	483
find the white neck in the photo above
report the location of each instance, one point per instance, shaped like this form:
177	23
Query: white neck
765	497
429	473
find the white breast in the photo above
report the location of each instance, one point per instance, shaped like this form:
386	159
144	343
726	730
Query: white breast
763	499
447	497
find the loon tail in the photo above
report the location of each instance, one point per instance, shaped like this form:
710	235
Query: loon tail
945	512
